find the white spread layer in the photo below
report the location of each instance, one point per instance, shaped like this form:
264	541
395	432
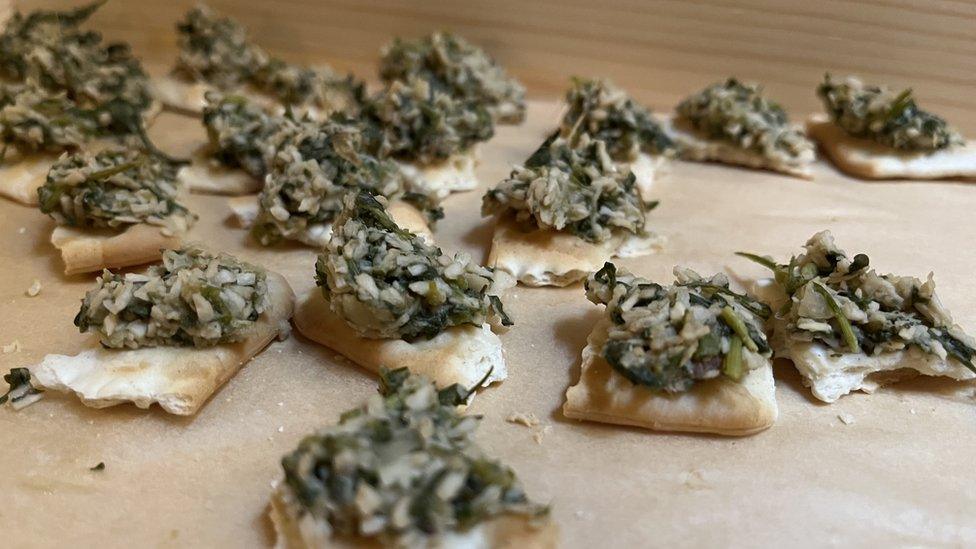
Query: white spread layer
865	158
244	210
546	257
205	175
646	170
698	149
457	173
831	375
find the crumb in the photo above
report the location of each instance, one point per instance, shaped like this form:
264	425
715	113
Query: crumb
12	347
281	429
539	433
845	418
281	404
521	418
530	420
912	411
22	230
693	480
35	288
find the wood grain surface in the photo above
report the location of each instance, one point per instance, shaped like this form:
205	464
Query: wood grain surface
660	50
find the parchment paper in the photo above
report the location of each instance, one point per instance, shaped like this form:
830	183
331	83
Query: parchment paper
900	472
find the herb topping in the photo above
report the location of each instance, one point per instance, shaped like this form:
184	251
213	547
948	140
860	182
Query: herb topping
607	113
244	135
739	114
455	66
194	299
48	50
63	85
315	166
386	282
34	120
114	189
575	189
838	301
403	468
884	116
217	50
669	338
419	123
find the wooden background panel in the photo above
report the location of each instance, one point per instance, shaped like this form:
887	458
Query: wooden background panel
660	50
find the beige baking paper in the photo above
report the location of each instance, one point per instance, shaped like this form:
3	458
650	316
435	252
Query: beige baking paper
899	471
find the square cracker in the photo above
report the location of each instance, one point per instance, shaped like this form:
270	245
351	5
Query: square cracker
869	160
179	379
695	148
21	177
546	257
719	405
462	354
84	251
831	375
454	174
205	175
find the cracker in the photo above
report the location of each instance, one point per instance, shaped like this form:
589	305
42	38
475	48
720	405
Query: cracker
461	354
869	160
719	405
179	379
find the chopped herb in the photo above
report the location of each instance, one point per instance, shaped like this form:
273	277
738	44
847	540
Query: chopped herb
579	190
194	298
460	69
99	467
853	309
217	50
244	135
62	85
403	468
606	113
845	325
316	165
739	114
386	282
113	189
669	338
48	50
20	387
414	121
884	116
34	120
732	320
732	364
